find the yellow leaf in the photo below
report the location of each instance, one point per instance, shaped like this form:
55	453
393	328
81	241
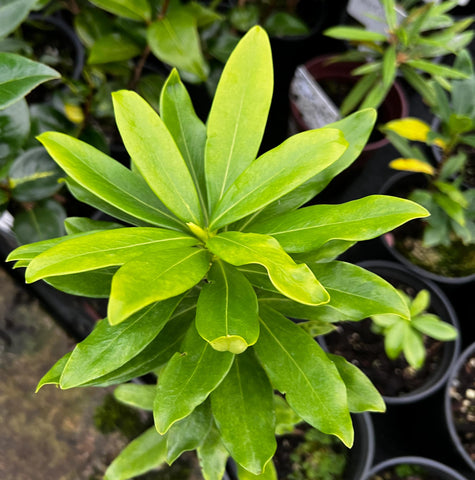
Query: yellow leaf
74	113
412	165
440	143
410	128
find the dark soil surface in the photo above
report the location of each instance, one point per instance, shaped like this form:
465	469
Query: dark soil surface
462	396
359	345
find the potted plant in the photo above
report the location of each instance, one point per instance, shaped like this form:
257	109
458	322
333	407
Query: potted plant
216	258
459	405
442	247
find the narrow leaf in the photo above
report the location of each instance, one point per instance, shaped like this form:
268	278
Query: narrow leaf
355	34
227	311
436	69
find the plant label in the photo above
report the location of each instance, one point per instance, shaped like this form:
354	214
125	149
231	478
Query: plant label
315	106
370	13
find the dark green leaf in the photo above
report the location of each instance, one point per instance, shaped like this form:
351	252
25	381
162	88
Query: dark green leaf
114	47
12	13
133	9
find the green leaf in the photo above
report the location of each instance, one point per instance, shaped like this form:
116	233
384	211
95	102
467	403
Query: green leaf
12	14
114	47
268	474
15	127
155	276
156	155
141	455
52	376
394	339
174	39
245	88
104	249
358	92
136	395
419	83
19	75
413	347
355	34
75	225
243	407
107	179
292	280
311	227
362	395
189	433
298	367
420	303
390	13
227	311
187	379
389	66
356	293
212	455
132	9
269	177
437	69
43	221
434	327
108	347
187	130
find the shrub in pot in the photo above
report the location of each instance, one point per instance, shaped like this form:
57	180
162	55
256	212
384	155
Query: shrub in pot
408	47
460	405
217	258
443	246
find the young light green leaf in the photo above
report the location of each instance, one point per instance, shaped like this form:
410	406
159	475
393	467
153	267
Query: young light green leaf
350	294
413	348
269	177
156	275
298	367
310	228
292	280
212	455
355	33
436	69
227	311
156	155
174	39
132	9
432	326
53	375
19	75
420	303
389	66
394	339
141	455
187	379
107	179
245	88
108	347
136	395
243	407
362	394
104	249
189	433
188	131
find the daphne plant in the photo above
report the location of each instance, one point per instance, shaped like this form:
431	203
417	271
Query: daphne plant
212	259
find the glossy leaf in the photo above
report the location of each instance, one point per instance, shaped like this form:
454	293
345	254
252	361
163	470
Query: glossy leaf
108	347
53	375
187	130
19	75
311	227
156	275
75	225
356	293
156	155
292	280
299	368
362	394
245	88
107	179
133	9
12	13
136	395
141	455
189	433
268	474
104	249
269	177
243	407
114	47
227	311
212	455
174	39
187	379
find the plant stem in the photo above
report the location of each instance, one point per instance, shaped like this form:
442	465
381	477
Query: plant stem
139	68
165	6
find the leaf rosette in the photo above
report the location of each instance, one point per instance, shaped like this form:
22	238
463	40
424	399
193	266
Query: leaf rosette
212	260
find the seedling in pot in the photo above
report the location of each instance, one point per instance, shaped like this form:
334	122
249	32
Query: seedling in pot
216	260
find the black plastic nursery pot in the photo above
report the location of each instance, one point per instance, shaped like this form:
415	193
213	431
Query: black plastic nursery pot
401	184
430	470
459	405
358	459
397	378
336	79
